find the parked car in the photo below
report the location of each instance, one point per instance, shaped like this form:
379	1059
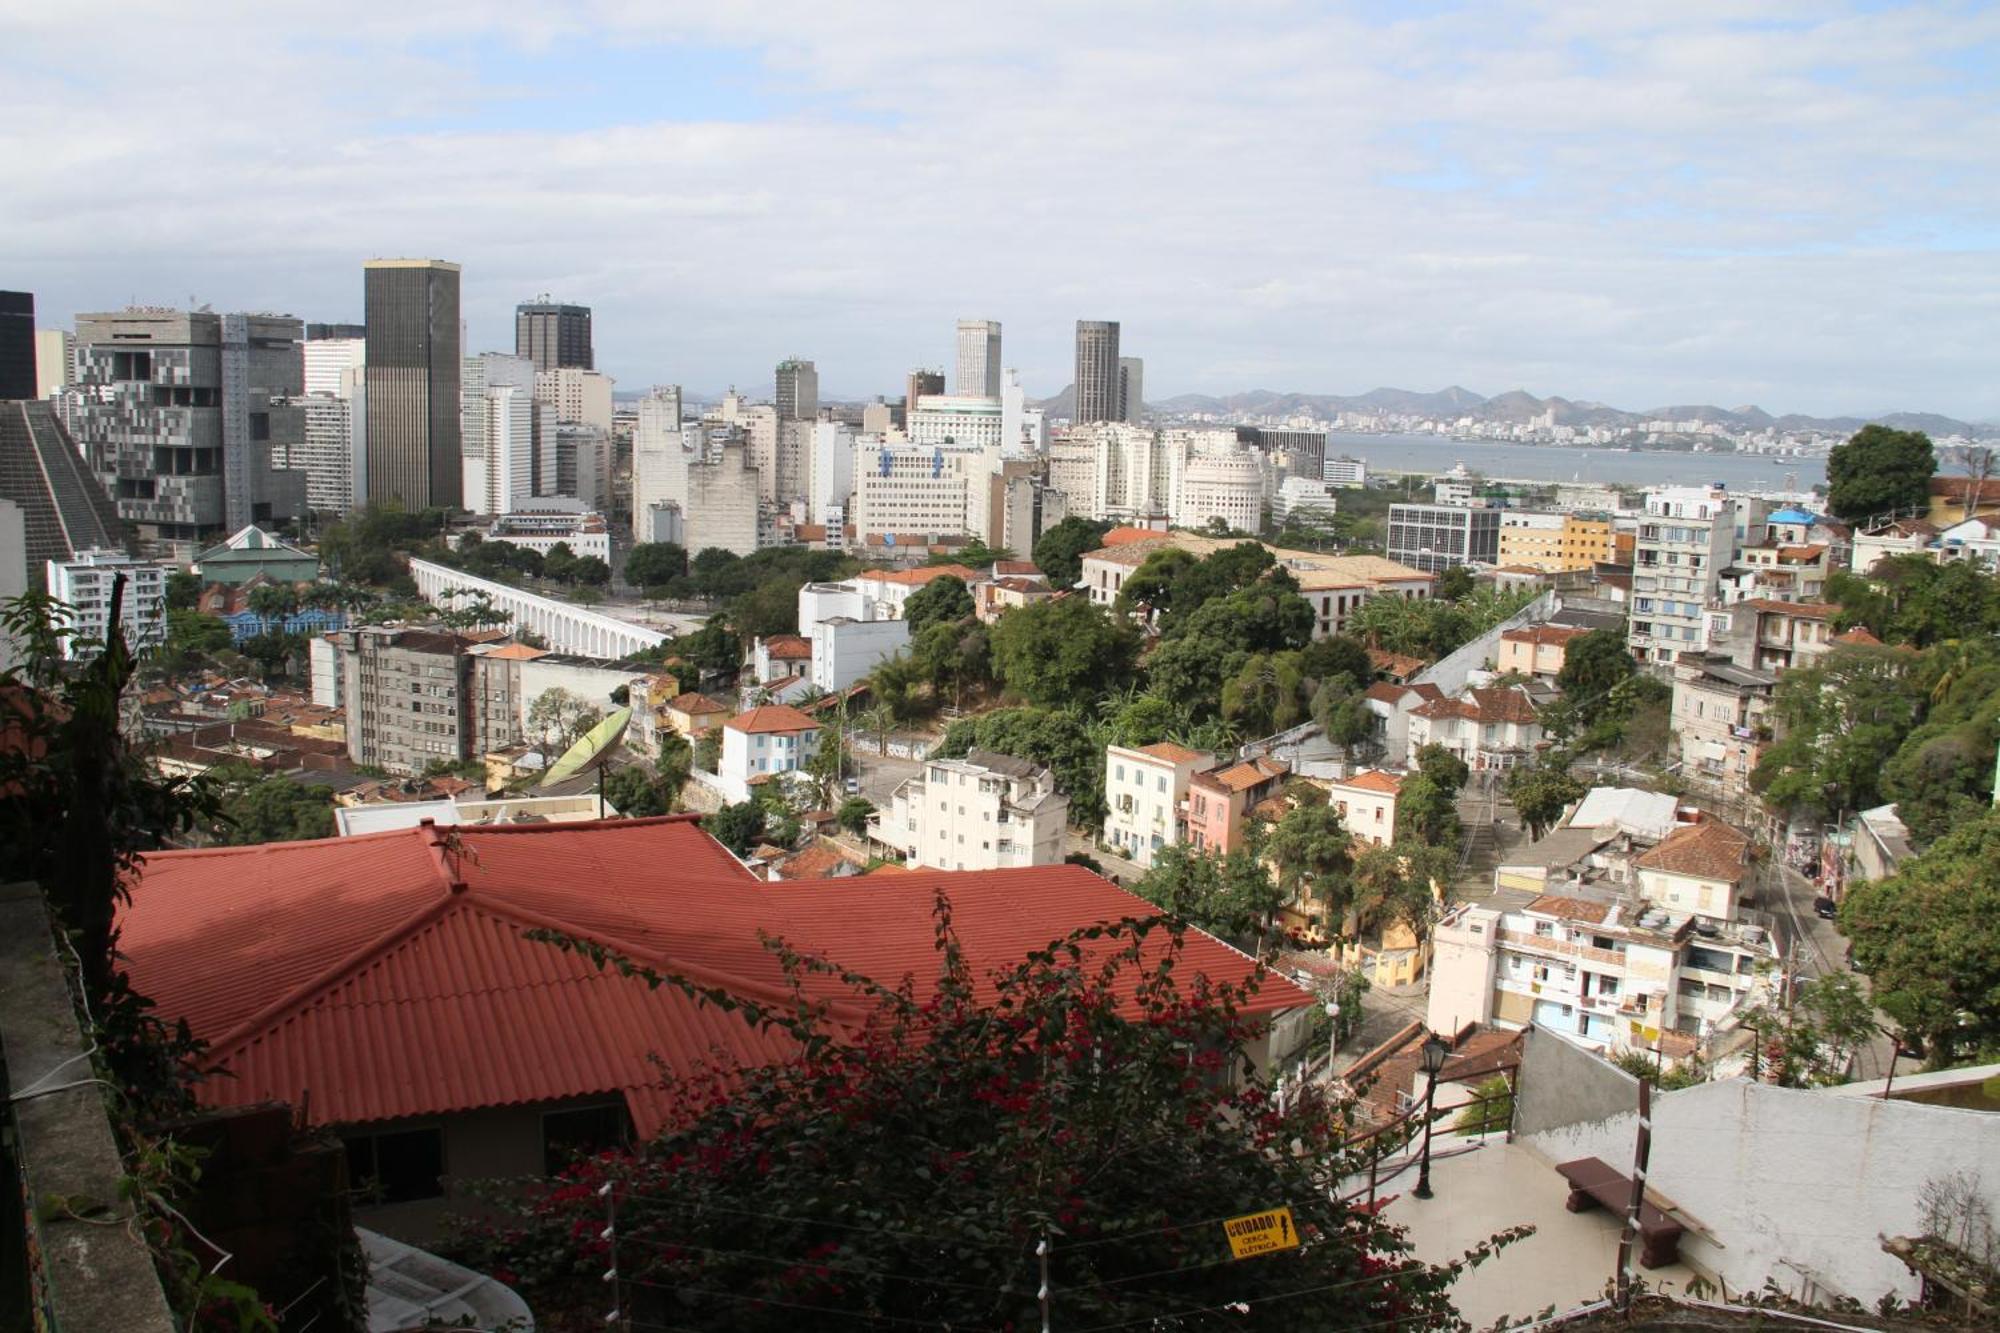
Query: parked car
1825	908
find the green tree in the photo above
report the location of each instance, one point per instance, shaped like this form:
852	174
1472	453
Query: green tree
1929	939
651	564
1400	883
1060	551
854	814
674	764
256	807
1314	852
183	590
1455	584
708	750
1879	470
560	719
1343	714
1061	652
1843	718
193	632
738	827
1062	741
1541	796
1269	694
635	793
1593	665
1048	1115
1811	1041
944	600
559	563
1444	767
1337	657
590	571
1427	804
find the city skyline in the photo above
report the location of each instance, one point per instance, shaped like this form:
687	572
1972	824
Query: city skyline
1790	208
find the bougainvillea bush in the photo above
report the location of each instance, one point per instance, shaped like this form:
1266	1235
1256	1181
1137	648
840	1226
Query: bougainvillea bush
928	1140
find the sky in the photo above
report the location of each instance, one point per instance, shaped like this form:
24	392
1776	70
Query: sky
1795	205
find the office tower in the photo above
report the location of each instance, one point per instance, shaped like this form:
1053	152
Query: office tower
552	335
583	464
1131	389
1434	537
978	359
181	414
659	460
497	430
64	508
832	475
326	453
322	332
55	361
579	397
414	454
17	345
1097	371
922	384
798	391
327	361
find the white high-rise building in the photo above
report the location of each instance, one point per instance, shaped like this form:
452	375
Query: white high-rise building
327	452
498	435
978	372
329	359
1225	487
1023	429
659	456
579	397
84	585
760	440
832	473
955	419
1685	541
55	361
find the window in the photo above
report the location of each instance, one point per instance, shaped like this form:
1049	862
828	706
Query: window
397	1167
588	1129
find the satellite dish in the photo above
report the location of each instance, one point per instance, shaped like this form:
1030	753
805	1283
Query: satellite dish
592	751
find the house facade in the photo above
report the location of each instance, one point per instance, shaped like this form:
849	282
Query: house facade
1536	650
1722	721
1366	803
762	744
1217	807
1491	728
983	812
1143	790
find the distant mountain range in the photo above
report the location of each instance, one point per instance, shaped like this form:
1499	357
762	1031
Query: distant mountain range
1519	406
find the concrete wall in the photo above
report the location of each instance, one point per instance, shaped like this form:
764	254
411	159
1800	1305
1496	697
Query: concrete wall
1562	1085
1449	673
1788	1183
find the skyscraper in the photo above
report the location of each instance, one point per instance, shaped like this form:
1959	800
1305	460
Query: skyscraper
553	335
1131	389
413	383
182	413
17	344
922	384
978	359
1097	371
798	391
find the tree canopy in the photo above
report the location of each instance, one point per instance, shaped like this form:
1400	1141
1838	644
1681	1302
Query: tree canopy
655	564
821	1190
1060	551
1878	471
1060	740
1063	651
1232	896
1929	939
943	600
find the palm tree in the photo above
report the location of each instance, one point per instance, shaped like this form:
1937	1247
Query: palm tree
273	602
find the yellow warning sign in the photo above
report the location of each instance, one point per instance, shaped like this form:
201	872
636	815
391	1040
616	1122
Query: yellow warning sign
1261	1233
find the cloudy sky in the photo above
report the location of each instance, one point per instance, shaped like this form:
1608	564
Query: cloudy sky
1796	205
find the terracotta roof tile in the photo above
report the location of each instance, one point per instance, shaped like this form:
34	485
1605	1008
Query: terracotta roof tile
772	718
787	647
1373	779
1544	634
694	703
1798	610
1171	753
1708	850
1858	637
1570	909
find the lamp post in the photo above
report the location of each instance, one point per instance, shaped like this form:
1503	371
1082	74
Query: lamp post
1435	1052
1333	1036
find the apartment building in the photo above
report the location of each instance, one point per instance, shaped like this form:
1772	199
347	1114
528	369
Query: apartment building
84	584
765	743
1491	728
1772	635
1144	789
1721	718
986	811
1556	543
1435	537
1685	541
406	694
1216	810
1536	650
1366	803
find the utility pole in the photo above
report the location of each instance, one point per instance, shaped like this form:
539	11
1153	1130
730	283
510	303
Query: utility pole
1042	1253
1641	1154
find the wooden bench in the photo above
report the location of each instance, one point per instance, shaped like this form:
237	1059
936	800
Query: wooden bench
1593	1181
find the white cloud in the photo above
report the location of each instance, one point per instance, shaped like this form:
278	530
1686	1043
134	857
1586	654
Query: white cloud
1636	203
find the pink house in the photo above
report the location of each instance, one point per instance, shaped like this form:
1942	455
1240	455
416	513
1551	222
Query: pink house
1219	802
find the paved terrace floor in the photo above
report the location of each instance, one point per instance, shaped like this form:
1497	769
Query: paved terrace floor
1566	1263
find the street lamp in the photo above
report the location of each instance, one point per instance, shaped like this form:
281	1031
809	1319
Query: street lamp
1436	1051
1333	1037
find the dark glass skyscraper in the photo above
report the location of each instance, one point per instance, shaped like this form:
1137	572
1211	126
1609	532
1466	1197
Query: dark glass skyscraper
1097	396
553	336
413	378
17	345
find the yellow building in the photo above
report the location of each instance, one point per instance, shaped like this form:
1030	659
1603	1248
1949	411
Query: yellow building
1555	543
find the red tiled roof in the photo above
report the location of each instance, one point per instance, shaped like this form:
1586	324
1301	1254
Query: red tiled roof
1544	634
1373	779
1243	776
917	578
787	647
692	703
1501	703
516	652
1396	664
1858	637
1570	909
1127	536
1956	489
772	717
1005	567
1171	753
1802	610
1708	850
389	975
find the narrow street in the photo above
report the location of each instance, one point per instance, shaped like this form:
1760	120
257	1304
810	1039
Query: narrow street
1817	949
